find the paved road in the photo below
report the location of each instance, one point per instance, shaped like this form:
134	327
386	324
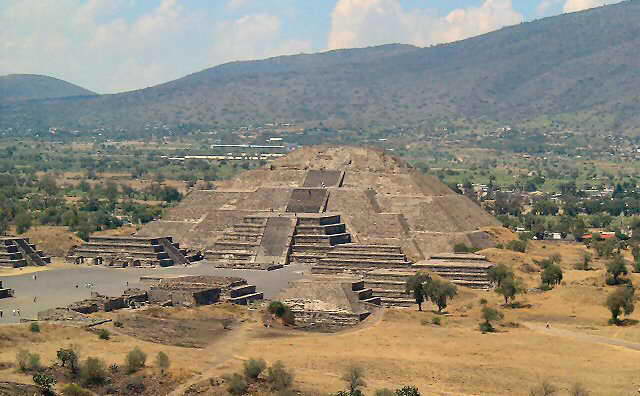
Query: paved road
56	288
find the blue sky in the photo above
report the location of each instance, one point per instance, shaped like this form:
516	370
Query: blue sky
118	45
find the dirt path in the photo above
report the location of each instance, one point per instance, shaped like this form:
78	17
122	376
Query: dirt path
582	336
220	351
237	341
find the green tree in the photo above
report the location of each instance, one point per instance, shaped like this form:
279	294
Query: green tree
621	300
440	291
498	273
236	384
162	362
510	287
551	275
415	285
68	358
23	222
615	268
489	315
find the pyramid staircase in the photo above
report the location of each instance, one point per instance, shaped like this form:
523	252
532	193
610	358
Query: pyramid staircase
19	252
131	251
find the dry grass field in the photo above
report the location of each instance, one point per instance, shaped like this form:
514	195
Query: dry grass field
398	347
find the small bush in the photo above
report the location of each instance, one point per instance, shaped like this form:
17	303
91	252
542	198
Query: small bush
135	385
114	368
34	327
408	390
544	389
162	362
93	371
27	361
424	322
279	377
45	382
385	392
253	368
517	246
136	360
486	327
68	358
104	334
75	390
236	384
118	324
499	246
436	321
483	301
578	390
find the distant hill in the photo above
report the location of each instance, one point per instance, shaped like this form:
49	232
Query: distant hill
21	87
583	68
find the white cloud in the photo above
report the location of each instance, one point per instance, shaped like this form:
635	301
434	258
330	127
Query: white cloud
90	43
548	7
359	23
579	5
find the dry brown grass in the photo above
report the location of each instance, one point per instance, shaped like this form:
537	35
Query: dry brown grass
54	241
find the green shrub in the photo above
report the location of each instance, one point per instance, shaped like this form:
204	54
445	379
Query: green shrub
136	360
236	384
93	371
162	362
408	390
544	389
34	327
68	358
253	368
27	361
104	334
75	390
45	382
385	392
517	246
135	385
436	321
118	324
279	377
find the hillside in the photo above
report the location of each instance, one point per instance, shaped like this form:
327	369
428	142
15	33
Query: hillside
21	87
581	67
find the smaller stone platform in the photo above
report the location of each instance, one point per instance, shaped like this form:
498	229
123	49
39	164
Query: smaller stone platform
5	293
18	252
130	252
470	270
200	290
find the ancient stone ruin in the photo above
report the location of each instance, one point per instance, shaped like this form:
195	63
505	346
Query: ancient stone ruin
345	211
18	252
329	304
200	290
130	252
5	293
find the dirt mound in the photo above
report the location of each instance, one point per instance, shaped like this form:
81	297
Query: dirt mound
500	234
53	241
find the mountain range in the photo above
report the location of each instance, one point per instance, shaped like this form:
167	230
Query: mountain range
581	68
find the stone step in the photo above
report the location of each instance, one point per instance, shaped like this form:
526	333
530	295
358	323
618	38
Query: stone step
366	255
386	293
10	256
375	300
364	294
122	253
370	248
240	291
384	284
397	302
323	240
235	245
310	247
304	258
452	268
365	263
328	229
231	255
318	220
477	276
116	246
473	284
257	220
247	298
13	263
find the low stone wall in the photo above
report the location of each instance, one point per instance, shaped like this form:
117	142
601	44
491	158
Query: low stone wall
318	315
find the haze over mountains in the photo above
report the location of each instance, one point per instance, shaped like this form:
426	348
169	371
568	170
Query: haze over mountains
583	68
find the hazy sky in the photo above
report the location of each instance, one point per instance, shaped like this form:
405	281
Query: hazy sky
117	45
